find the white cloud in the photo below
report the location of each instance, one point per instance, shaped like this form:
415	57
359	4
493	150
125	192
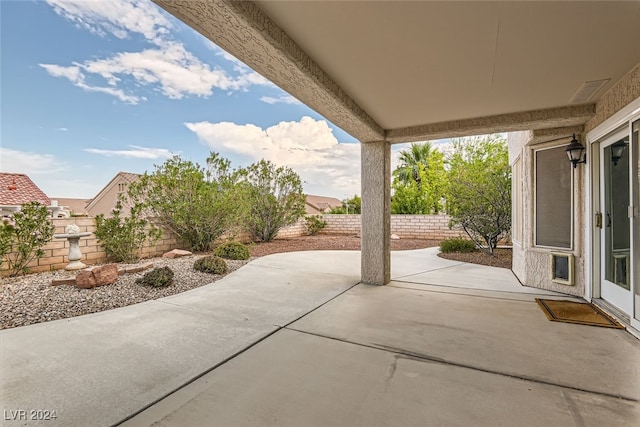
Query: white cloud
63	129
75	76
168	66
16	161
240	67
308	147
119	18
135	153
285	99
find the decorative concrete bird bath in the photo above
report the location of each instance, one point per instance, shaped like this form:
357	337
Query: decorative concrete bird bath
73	235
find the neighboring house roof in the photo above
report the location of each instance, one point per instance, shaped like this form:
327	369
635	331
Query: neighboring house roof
320	204
106	198
77	206
17	189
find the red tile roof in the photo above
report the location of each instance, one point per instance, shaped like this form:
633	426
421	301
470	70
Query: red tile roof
25	190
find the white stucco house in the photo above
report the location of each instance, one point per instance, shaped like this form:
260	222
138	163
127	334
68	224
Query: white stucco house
395	72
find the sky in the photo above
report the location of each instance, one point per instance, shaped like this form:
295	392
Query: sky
91	88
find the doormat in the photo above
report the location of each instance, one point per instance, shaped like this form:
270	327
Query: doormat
580	313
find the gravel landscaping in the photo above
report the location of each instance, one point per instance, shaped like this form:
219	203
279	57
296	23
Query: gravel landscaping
31	299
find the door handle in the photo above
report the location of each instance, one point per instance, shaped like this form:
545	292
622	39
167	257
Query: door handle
599	220
608	220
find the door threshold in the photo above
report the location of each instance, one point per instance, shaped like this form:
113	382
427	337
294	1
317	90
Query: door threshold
617	314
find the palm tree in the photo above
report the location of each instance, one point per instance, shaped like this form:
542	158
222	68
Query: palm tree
410	159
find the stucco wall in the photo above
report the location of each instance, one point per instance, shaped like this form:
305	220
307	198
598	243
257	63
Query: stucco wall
532	264
516	142
616	98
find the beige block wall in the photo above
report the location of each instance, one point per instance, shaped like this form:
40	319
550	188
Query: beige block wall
435	227
56	251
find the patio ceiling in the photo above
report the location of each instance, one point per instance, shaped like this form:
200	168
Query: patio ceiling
403	71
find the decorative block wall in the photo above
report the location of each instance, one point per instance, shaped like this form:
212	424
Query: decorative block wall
56	251
433	227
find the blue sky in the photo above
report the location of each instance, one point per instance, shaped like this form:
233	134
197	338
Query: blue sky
90	88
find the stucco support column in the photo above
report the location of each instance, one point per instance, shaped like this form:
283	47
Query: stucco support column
376	213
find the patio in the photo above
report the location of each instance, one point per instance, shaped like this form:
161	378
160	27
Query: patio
293	339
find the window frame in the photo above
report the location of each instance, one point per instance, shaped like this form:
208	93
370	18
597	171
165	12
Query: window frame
517	201
535	203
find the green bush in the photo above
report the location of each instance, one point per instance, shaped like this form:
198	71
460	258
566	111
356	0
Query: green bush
314	224
197	203
6	238
21	241
232	250
158	278
211	264
122	238
275	199
457	244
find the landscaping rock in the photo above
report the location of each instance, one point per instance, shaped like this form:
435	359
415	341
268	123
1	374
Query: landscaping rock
395	237
176	253
97	276
69	281
136	269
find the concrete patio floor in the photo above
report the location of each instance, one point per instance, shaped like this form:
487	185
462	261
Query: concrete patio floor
293	340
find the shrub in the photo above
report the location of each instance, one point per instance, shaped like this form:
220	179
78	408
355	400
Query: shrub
314	224
122	238
275	199
197	203
232	250
211	264
6	238
30	231
457	244
158	278
479	199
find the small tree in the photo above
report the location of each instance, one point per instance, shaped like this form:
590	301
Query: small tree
480	190
198	204
30	231
349	206
410	161
122	238
275	199
409	197
421	188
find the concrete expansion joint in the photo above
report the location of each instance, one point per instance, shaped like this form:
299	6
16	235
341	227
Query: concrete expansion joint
419	357
231	357
429	271
482	293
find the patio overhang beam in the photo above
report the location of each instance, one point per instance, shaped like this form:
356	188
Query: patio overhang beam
560	117
553	134
243	30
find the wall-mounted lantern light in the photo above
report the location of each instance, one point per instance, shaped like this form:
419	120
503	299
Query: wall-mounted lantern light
576	152
617	150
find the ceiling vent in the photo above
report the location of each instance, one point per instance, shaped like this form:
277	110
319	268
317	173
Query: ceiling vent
587	91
